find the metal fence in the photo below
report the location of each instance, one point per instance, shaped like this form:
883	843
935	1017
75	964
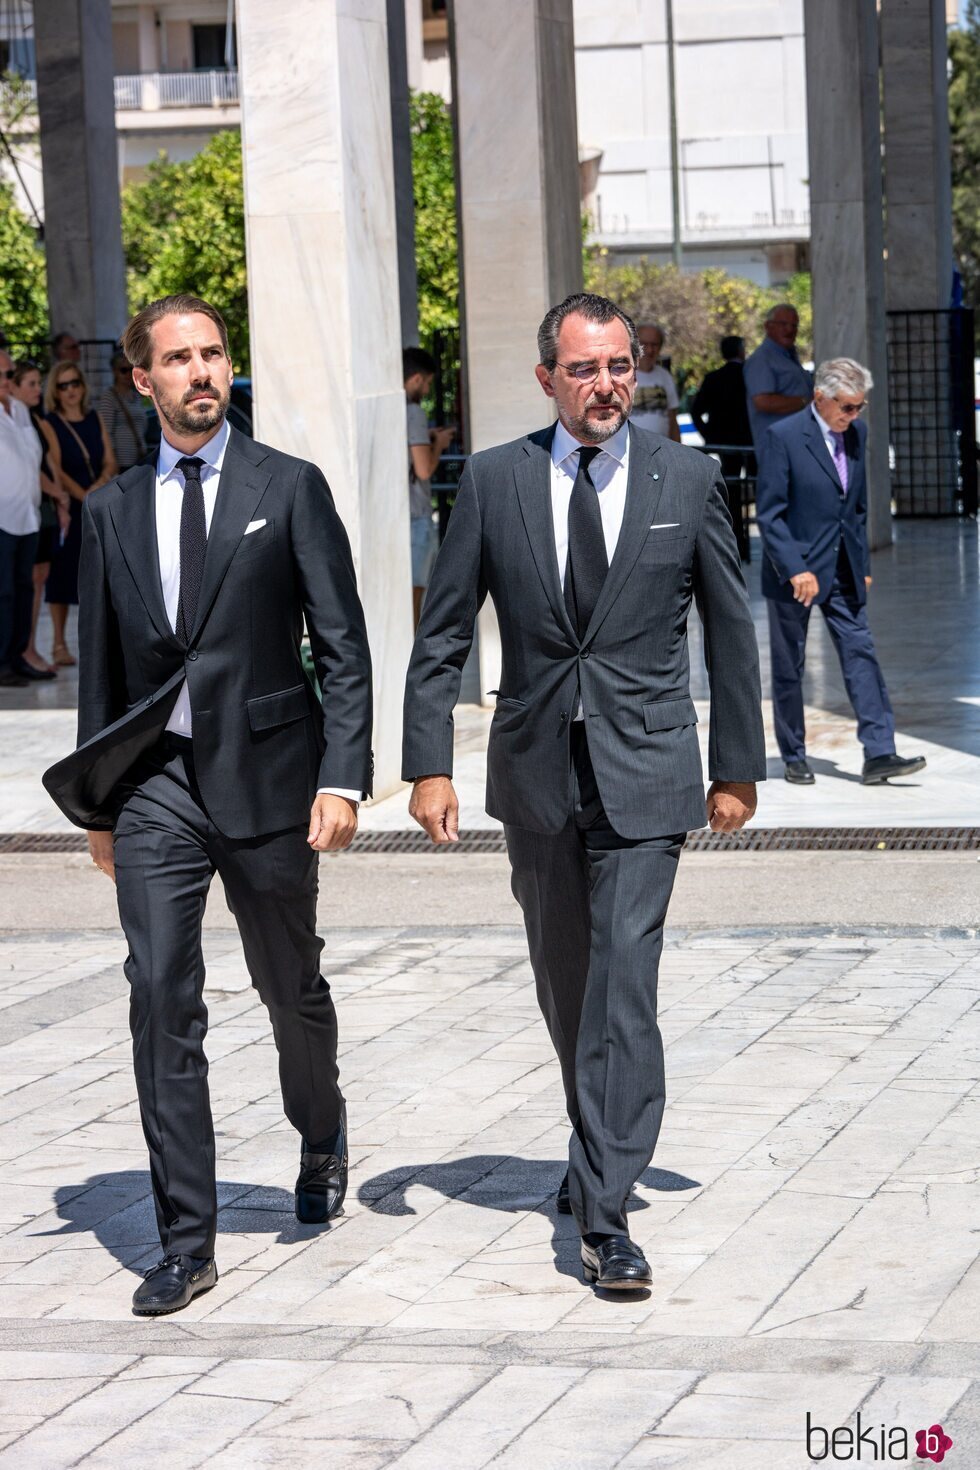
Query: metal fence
150	91
738	468
932	411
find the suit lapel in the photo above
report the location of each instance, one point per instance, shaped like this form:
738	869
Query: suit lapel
134	516
533	476
242	484
817	446
643	491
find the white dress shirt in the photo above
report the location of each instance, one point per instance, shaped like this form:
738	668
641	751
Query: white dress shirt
610	475
169	503
20	471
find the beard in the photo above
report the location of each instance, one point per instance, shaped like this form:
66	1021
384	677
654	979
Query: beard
597	433
195	418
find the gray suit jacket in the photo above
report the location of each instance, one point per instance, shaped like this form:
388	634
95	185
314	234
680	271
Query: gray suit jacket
632	665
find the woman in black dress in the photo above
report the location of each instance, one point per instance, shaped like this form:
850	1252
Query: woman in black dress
82	454
55	509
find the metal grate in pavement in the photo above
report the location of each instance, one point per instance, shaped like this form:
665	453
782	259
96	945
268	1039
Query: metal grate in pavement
754	839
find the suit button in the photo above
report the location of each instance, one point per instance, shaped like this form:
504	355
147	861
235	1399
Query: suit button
585	653
564	715
150	700
192	653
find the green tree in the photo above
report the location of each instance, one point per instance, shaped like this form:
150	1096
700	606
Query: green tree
964	128
434	188
23	282
184	230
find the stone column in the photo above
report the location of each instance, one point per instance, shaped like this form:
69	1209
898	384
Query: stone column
919	239
401	140
323	294
846	214
82	230
519	212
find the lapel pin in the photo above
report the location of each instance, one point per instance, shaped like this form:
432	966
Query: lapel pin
656	477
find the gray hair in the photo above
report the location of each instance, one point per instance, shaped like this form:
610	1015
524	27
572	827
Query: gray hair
842	375
781	306
594	309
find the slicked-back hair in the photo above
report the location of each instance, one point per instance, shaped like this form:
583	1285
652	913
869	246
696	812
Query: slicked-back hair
137	340
416	360
593	309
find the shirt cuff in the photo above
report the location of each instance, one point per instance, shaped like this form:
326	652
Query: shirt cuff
340	791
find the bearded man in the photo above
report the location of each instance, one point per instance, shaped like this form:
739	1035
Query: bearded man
202	748
591	537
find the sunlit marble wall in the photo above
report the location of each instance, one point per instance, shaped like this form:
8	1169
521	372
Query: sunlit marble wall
323	293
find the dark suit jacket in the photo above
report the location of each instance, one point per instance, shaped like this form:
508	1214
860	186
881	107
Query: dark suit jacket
721	399
632	663
800	512
262	744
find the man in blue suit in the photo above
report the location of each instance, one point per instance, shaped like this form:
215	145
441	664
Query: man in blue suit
812	505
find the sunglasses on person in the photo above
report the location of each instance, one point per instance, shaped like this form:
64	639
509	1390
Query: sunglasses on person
852	409
8	373
69	383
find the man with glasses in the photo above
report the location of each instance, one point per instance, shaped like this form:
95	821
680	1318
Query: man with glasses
812	507
592	537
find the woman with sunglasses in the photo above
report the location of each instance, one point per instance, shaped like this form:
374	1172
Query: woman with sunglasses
55	510
83	457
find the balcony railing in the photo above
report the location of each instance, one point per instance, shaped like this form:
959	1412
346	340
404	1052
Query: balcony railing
151	91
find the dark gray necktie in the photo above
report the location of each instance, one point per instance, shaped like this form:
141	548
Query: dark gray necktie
587	564
193	544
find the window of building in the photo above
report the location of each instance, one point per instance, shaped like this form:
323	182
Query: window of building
210	49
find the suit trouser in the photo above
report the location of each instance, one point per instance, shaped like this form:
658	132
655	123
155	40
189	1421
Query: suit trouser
16	596
594	908
166	853
847	623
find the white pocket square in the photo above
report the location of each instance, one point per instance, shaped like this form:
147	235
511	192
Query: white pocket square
665	526
253	526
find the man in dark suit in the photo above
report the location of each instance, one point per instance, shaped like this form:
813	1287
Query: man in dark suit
812	508
719	411
591	537
203	749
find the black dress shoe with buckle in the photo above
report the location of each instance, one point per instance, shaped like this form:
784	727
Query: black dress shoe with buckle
882	768
562	1202
322	1183
173	1284
798	773
615	1263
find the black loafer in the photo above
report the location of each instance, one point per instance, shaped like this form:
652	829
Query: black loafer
562	1202
798	773
321	1186
173	1284
27	671
883	767
615	1263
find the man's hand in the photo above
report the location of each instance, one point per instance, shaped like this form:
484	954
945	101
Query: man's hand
435	807
100	847
333	822
730	805
441	439
868	581
805	587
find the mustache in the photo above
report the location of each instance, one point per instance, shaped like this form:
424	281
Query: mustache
200	393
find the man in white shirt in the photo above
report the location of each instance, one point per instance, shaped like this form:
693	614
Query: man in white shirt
655	400
20	520
203	749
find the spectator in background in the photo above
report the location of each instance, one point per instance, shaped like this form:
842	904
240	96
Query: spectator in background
20	496
719	409
425	449
65	348
124	415
776	383
84	459
655	401
55	512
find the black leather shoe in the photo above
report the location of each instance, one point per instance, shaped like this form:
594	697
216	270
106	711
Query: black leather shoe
173	1284
563	1203
322	1183
883	767
798	773
28	672
615	1263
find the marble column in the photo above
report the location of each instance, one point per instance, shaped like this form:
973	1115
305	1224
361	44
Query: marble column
401	142
82	229
519	212
846	230
323	293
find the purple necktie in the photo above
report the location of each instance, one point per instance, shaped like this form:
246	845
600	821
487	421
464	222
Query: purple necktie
840	460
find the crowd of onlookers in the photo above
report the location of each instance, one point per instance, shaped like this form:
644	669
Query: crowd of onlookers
56	445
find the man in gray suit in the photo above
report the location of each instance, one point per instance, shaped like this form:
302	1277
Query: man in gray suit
591	537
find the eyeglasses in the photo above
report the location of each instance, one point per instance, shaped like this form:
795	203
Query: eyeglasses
69	383
852	409
587	372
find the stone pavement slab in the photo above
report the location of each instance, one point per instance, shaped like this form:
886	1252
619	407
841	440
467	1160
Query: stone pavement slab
810	1216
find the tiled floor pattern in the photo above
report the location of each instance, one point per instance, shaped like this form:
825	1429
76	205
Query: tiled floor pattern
811	1218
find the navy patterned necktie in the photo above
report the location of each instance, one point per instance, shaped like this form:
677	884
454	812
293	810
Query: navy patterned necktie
587	563
193	544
